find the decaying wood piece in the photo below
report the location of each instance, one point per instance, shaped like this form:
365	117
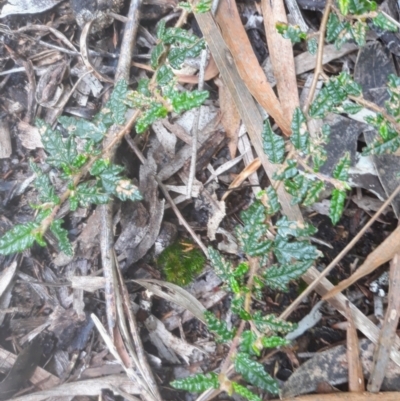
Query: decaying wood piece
382	254
389	327
281	54
240	53
356	377
5	139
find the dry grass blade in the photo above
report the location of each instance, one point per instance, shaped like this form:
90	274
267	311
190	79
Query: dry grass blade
281	54
389	396
244	102
382	254
388	331
356	377
6	276
243	57
88	388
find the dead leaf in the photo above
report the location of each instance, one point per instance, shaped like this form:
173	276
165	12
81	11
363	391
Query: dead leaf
29	136
5	140
27	6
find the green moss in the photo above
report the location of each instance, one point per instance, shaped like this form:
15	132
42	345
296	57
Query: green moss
180	263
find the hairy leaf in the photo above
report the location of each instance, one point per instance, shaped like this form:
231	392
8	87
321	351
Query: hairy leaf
278	277
183	101
341	170
300	136
312	46
301	250
116	103
382	22
198	383
218	326
273	205
87	195
244	392
164	75
288	228
61	235
156	54
223	268
337	204
44	186
254	373
313	192
150	115
274	341
82	128
19	238
292	32
297	187
271	322
274	145
290	171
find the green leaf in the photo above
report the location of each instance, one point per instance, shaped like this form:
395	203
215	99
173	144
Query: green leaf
271	322
337	205
203	6
177	55
278	277
143	87
99	166
289	171
116	102
361	6
343	6
300	136
183	101
61	153
297	187
247	343
252	236
379	147
198	383
313	192
288	228
156	54
164	75
273	205
301	250
110	177
87	195
219	327
274	145
341	170
223	268
244	392
350	108
19	238
274	341
333	28
161	29
312	46
44	186
359	32
179	36
185	6
125	190
149	116
61	235
82	128
292	32
255	374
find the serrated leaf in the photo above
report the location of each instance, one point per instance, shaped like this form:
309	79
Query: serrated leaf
61	235
333	28
116	102
184	101
143	87
312	46
223	268
291	32
87	195
247	343
185	6
289	171
99	166
125	190
337	205
150	115
161	29
177	55
297	187
179	36
382	22
274	145
82	128
278	277
164	75
203	6
341	170
300	250
244	392
254	373
44	186
218	326
379	147
295	229
198	383
361	6
350	108
156	54
61	152
300	136
110	177
343	6
19	238
274	341
273	205
273	323
359	32
313	192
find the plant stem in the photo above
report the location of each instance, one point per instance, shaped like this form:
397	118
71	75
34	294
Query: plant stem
318	67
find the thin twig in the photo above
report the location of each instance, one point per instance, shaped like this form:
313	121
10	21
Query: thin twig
319	65
182	220
339	257
195	131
